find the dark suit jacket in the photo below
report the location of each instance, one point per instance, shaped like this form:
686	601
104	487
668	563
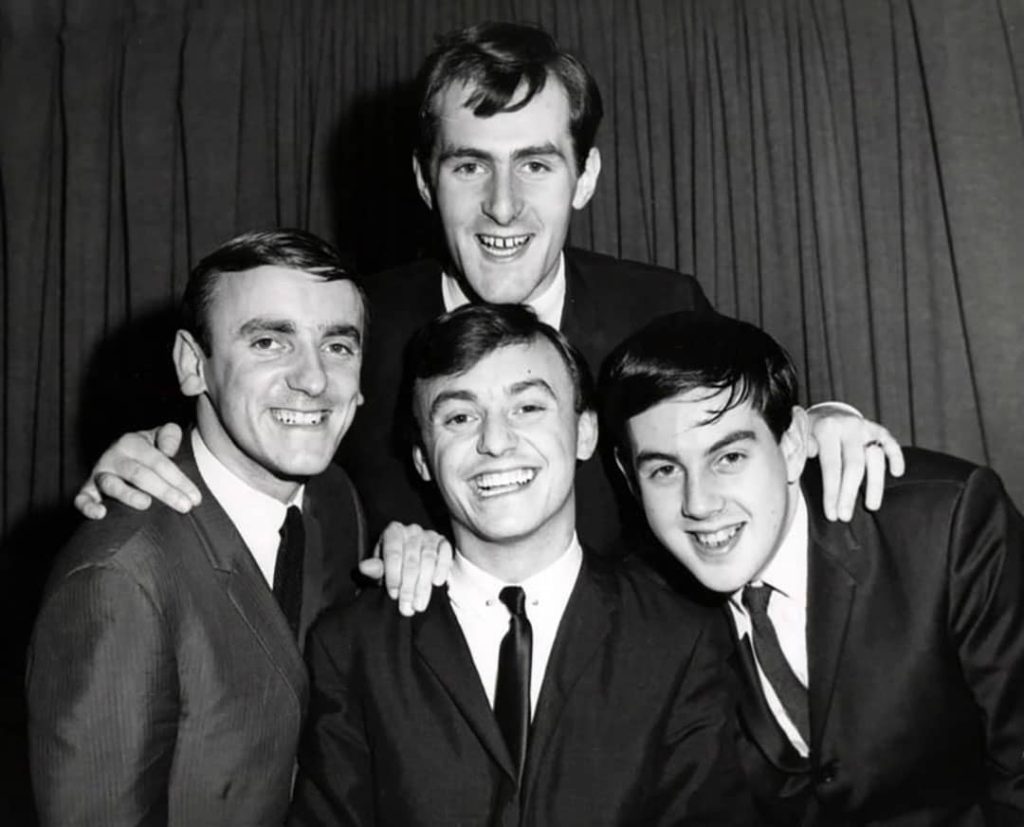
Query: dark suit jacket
633	724
915	635
606	300
164	685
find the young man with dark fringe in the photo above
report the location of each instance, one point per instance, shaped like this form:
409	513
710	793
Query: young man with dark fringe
881	662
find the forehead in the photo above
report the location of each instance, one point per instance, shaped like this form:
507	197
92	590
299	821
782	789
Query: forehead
544	119
690	421
502	373
283	293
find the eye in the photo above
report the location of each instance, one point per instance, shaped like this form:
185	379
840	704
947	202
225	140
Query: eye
531	408
266	344
661	472
468	169
458	420
536	168
342	348
731	460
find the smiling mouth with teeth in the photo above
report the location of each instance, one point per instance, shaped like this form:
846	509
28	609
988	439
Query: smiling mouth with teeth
287	416
494	483
715	540
503	245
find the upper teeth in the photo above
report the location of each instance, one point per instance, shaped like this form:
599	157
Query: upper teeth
289	417
497	242
503	479
713	539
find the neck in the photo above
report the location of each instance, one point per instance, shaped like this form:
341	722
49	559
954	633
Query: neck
235	460
517	559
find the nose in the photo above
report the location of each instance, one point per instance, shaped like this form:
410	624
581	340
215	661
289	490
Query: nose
701	498
496	437
502	200
307	372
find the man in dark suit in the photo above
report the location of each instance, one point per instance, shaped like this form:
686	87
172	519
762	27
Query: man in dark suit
881	661
505	154
543	686
166	684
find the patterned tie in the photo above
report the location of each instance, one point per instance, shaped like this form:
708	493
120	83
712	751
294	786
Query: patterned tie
512	694
773	662
288	568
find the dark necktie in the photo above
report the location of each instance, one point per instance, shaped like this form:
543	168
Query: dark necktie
512	694
773	662
288	568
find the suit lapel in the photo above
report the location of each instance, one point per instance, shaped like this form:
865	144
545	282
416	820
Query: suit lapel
589	617
439	641
243	582
831	588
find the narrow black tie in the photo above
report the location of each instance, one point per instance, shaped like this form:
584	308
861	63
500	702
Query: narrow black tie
776	668
512	694
288	568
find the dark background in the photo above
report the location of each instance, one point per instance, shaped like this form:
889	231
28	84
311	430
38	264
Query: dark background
847	173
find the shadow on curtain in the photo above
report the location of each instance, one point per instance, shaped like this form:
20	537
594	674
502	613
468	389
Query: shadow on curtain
847	173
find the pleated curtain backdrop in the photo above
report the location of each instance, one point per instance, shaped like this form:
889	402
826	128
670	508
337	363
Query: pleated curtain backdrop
847	173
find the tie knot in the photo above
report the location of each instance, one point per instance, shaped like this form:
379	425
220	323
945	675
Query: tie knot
756	598
514	599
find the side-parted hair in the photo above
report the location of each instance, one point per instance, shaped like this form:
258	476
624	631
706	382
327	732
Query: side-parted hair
687	351
493	59
290	248
456	341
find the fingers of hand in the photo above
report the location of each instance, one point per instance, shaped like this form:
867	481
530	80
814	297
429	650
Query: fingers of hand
874	462
830	458
390	549
852	474
88	502
111	485
168	439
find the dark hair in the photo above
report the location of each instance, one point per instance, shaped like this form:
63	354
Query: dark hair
686	351
493	59
454	342
294	249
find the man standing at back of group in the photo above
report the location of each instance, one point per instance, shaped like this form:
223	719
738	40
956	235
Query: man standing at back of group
504	155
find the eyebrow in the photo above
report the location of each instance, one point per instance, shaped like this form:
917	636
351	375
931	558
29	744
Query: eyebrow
514	389
262	324
450	396
545	149
724	442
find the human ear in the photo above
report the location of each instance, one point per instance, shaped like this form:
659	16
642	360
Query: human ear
794	444
422	183
587	181
586	435
419	460
189	361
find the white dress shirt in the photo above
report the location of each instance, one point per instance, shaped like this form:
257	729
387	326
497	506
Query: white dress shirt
548	305
787	610
257	516
484	619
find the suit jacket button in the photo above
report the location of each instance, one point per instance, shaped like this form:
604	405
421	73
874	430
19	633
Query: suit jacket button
826	773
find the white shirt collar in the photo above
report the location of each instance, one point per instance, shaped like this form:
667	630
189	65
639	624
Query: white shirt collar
786	572
548	305
470	584
257	516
